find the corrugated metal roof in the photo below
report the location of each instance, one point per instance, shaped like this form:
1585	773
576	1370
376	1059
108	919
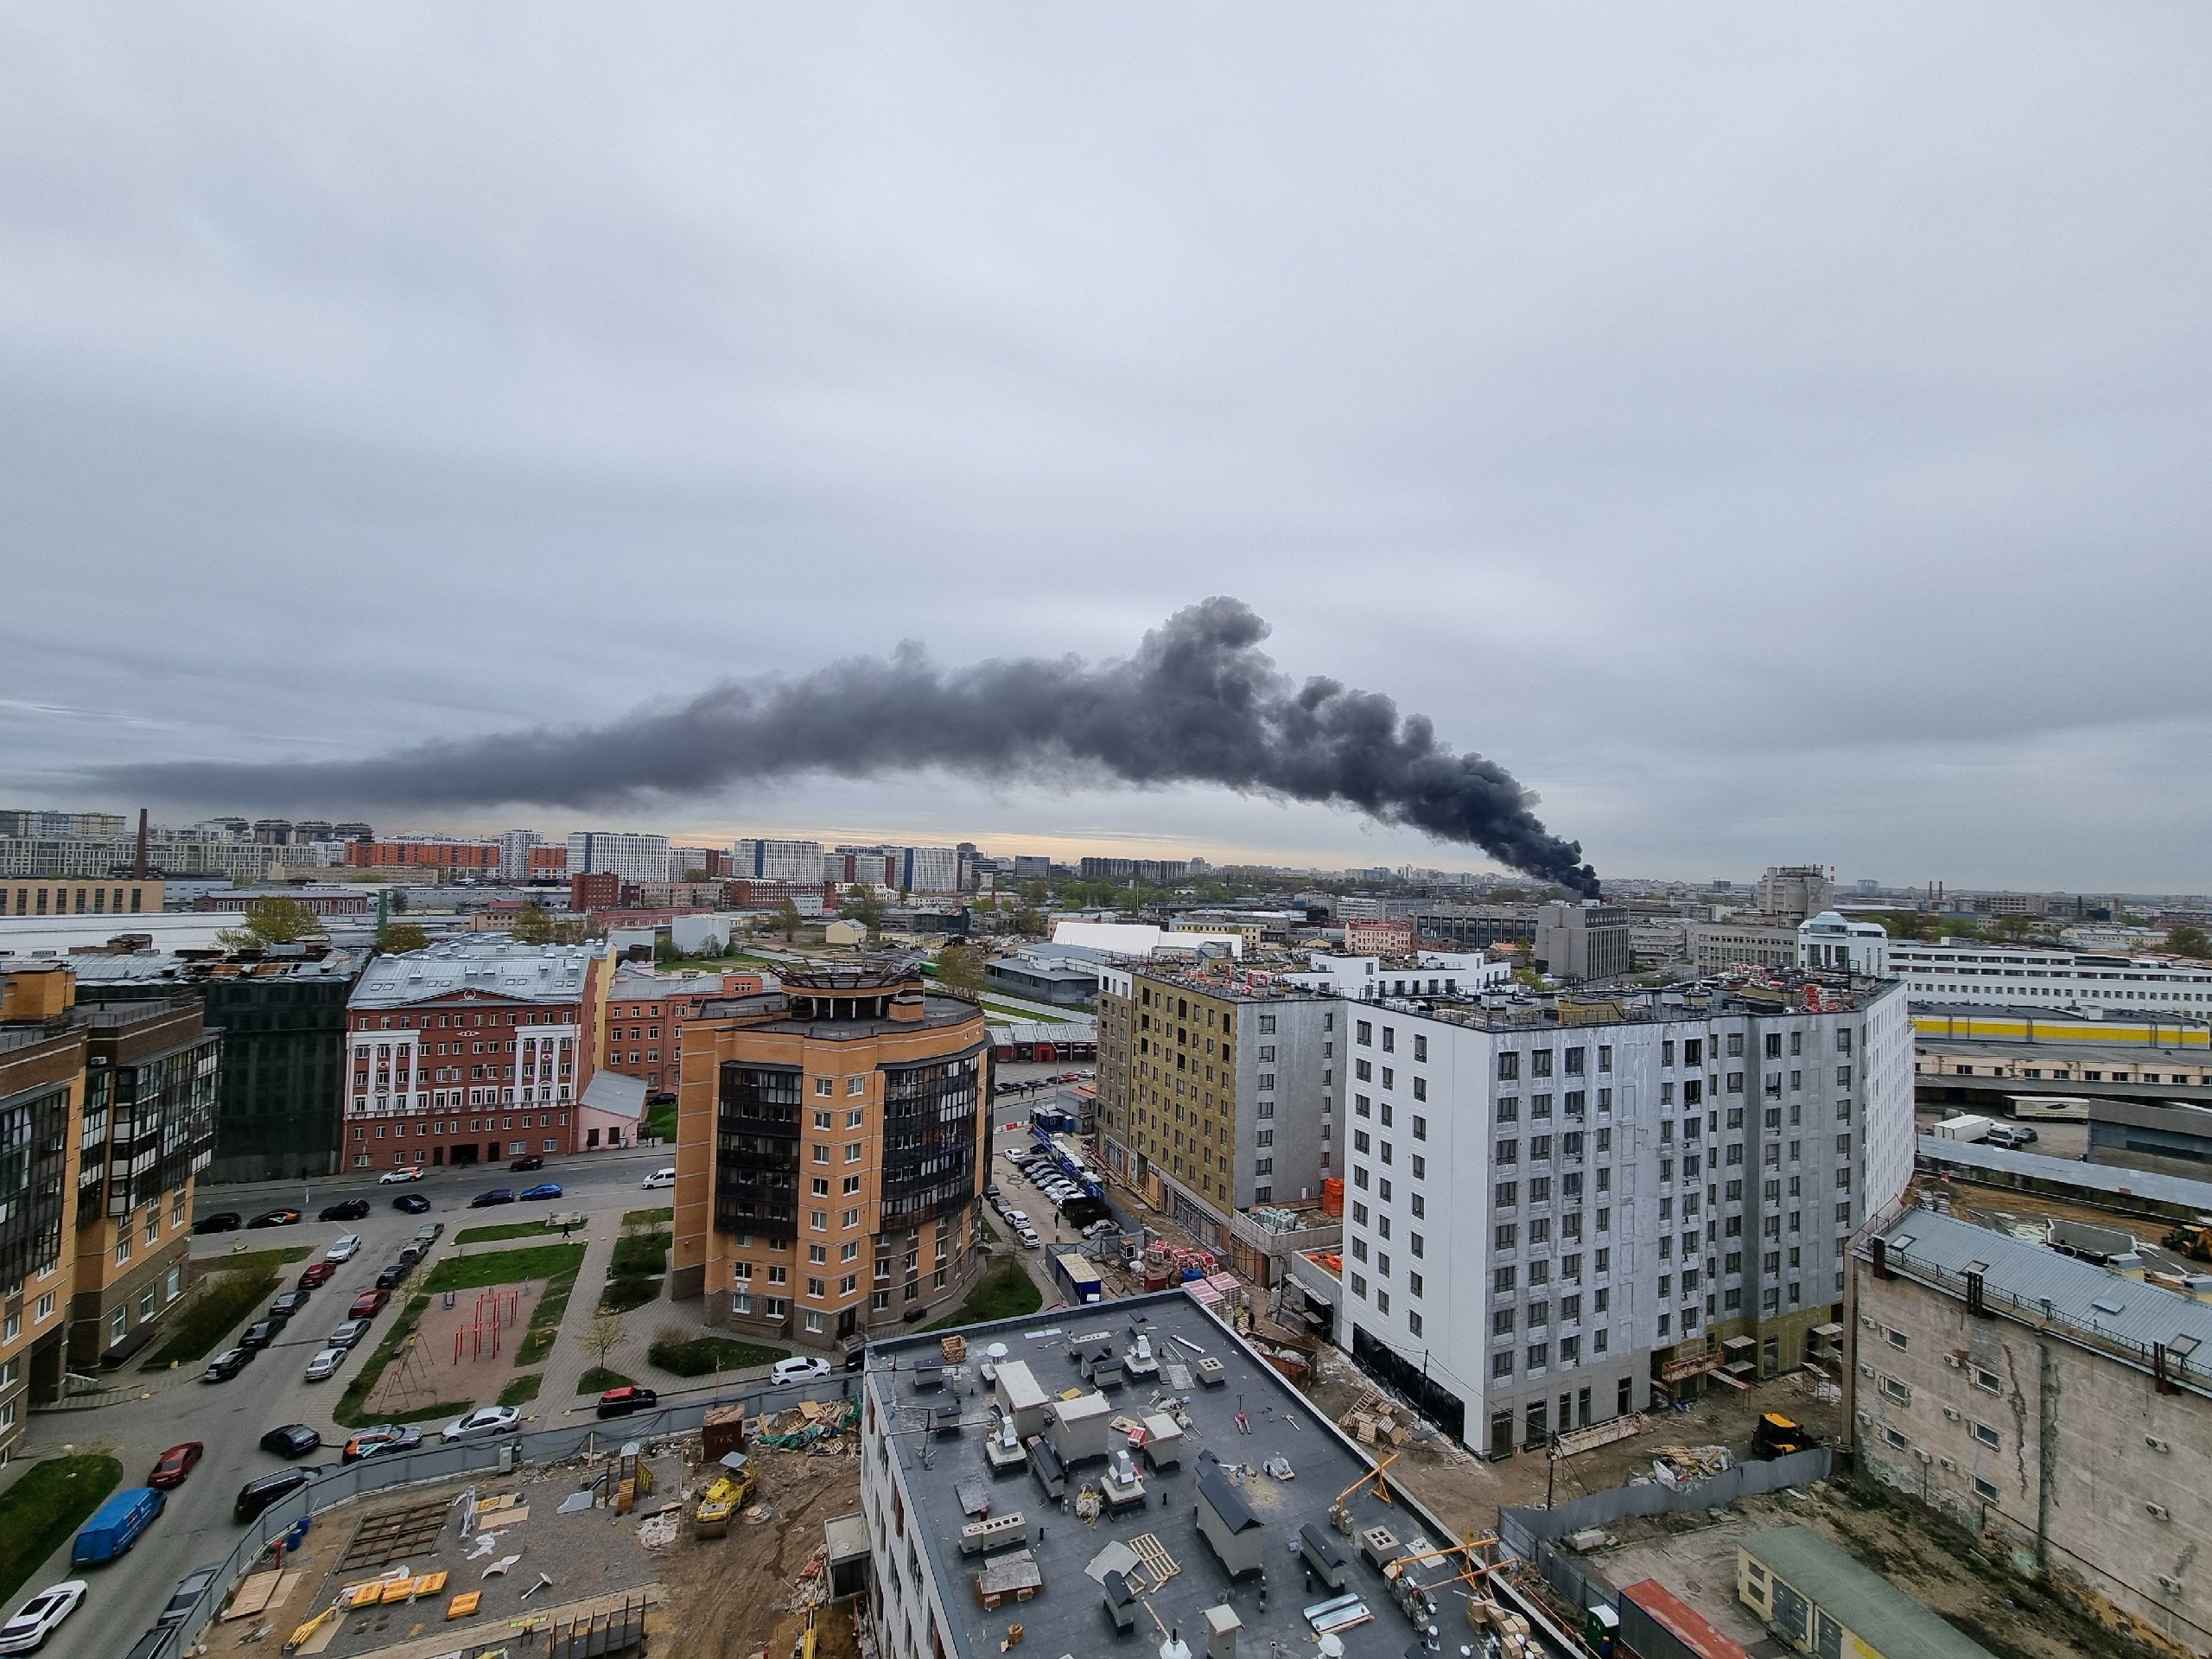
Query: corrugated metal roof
2120	1183
494	966
2031	1277
1880	1615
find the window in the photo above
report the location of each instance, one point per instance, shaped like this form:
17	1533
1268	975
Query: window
1988	1380
1508	1069
1988	1436
1893	1439
1985	1490
1363	1033
1412	1323
856	1085
1893	1390
1421	1048
825	1086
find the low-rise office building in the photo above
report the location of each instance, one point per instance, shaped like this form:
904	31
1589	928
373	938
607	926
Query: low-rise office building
48	896
2032	976
2046	1403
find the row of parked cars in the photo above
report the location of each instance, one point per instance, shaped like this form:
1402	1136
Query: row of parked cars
349	1332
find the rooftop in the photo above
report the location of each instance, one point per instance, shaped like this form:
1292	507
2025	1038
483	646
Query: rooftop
1216	1455
1773	991
1884	1617
772	1011
490	963
2173	1190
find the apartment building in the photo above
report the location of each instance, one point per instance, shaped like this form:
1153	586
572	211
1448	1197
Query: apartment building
1216	1088
2027	976
932	869
832	1142
2057	1409
43	1054
646	1014
85	826
764	860
117	896
1426	973
631	856
476	1050
1791	892
1558	1209
421	853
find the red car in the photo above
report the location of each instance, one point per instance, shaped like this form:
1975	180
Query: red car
176	1463
368	1305
317	1273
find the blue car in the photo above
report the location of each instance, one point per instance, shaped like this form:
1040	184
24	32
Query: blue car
542	1190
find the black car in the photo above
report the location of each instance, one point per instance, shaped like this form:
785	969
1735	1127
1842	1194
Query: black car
352	1209
223	1221
292	1441
497	1195
389	1278
413	1203
531	1162
620	1402
276	1218
258	1495
189	1589
260	1333
288	1304
226	1364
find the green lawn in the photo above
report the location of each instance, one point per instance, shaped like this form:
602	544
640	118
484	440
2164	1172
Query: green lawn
698	1356
660	1121
628	1291
505	1229
213	1310
39	1512
348	1413
641	1252
506	1268
648	1218
521	1391
256	1260
1026	1015
1006	1292
599	1380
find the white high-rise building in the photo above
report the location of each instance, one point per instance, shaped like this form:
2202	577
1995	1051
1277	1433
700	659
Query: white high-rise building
932	869
514	852
1551	1211
761	859
624	853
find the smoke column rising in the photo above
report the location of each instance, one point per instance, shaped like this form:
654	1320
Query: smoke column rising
1197	703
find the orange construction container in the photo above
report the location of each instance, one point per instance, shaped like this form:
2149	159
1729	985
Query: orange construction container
1333	1196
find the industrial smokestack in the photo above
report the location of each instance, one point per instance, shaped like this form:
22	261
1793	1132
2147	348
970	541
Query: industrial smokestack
1196	702
138	869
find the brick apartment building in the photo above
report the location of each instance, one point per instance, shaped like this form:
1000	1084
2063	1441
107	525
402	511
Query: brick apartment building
461	857
645	1014
474	1051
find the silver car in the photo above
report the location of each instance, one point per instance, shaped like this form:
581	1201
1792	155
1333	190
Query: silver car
324	1364
349	1333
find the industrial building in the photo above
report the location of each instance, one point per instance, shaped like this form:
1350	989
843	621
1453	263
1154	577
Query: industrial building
2047	1404
1126	1476
831	1154
2029	975
1587	941
1816	1598
2174	1138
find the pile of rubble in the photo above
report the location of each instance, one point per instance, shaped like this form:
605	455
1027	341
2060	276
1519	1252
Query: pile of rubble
1676	1467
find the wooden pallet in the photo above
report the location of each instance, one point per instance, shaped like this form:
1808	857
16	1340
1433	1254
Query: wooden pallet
392	1536
1157	1561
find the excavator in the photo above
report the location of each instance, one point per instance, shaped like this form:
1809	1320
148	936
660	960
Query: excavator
2193	1240
731	1492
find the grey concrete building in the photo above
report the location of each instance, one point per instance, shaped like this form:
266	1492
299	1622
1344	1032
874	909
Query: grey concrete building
1587	941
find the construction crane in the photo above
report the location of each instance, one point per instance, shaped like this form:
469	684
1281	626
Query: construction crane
1340	1511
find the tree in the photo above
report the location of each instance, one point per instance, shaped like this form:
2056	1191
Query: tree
2187	941
398	938
788	920
532	926
273	921
960	968
697	875
1027	920
865	906
603	1333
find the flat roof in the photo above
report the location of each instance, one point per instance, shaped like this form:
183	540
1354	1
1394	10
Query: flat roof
1877	1611
2111	1180
1064	1617
770	1011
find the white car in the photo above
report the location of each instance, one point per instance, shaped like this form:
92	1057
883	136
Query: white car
324	1364
344	1248
484	1422
39	1618
798	1370
392	1177
659	1178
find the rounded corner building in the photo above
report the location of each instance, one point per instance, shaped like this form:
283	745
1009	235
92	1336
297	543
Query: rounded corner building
831	1154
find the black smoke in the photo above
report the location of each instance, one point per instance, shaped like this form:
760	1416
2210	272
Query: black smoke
1198	701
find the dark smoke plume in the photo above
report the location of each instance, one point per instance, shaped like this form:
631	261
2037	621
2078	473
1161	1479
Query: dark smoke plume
1197	703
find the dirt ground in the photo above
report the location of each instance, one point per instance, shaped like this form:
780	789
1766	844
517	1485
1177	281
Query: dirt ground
730	1597
1694	1554
490	1324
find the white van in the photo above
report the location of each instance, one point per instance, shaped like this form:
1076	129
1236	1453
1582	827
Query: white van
659	1178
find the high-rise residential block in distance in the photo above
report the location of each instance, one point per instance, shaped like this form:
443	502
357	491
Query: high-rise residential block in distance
1558	1210
763	860
475	1050
1791	892
1583	941
630	855
1216	1089
832	1144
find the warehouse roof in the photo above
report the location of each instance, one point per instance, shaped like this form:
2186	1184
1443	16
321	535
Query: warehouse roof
2173	1190
1883	1616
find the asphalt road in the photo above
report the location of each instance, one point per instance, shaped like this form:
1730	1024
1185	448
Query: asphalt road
230	1418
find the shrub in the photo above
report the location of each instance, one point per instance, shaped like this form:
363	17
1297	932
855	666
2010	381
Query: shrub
678	1350
214	1307
640	1253
628	1291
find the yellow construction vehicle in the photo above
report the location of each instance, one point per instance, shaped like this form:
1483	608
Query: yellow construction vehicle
1777	1436
2194	1240
731	1492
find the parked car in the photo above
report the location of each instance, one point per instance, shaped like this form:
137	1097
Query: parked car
276	1218
41	1616
226	1364
344	1248
392	1177
409	1256
174	1464
324	1364
542	1190
189	1588
292	1440
287	1304
533	1161
223	1221
429	1235
798	1370
1098	1227
413	1203
116	1524
385	1437
316	1273
348	1334
351	1209
497	1195
260	1333
990	1189
2009	1135
483	1422
389	1278
661	1097
258	1495
369	1303
620	1402
659	1178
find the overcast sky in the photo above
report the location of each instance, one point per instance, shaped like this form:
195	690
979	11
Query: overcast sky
1775	434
